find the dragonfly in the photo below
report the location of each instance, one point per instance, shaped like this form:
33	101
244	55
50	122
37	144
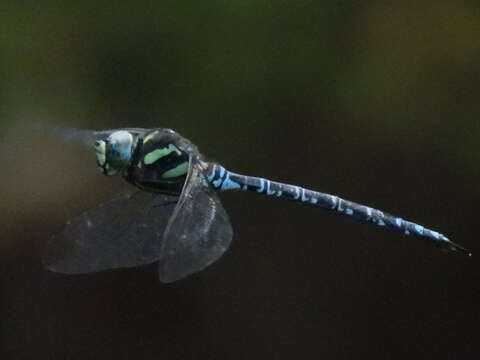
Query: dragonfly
174	215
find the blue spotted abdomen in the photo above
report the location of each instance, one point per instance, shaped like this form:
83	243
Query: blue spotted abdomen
222	179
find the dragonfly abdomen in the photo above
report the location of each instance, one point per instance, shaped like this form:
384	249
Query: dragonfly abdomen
222	179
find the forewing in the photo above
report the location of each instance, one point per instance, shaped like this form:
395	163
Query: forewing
124	232
198	232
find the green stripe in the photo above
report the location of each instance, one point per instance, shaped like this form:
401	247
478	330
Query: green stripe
153	156
150	136
176	171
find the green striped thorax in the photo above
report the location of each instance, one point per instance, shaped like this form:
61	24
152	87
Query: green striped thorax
114	153
162	160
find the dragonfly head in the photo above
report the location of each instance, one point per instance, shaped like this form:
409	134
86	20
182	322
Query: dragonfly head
114	152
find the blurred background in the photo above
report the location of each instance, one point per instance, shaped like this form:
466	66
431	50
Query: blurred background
374	101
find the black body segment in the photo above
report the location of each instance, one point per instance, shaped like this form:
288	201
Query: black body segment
222	179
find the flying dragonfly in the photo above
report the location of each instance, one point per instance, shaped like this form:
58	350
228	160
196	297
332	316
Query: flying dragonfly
174	216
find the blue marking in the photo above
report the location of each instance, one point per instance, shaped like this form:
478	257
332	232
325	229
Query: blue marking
334	200
419	229
262	182
297	193
381	222
217	183
349	211
435	234
369	212
339	207
304	198
399	222
222	171
229	184
269	192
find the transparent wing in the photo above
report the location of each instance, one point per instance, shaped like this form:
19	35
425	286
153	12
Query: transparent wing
83	137
198	233
123	232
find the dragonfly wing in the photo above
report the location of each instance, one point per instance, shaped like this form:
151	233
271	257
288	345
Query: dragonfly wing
82	136
198	232
122	232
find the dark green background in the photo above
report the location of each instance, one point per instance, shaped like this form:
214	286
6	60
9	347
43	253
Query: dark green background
376	101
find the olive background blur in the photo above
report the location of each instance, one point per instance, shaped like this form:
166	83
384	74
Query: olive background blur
374	101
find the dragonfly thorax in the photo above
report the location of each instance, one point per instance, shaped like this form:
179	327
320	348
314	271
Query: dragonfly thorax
160	162
115	152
